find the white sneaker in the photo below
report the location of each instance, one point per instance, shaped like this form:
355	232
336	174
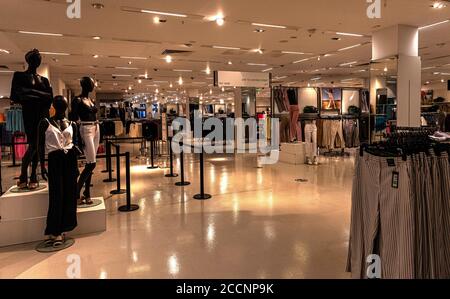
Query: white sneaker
316	161
309	162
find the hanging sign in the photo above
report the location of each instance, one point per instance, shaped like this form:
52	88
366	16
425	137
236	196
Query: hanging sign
241	79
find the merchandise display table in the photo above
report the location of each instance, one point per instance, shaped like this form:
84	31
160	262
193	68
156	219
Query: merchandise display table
292	153
23	217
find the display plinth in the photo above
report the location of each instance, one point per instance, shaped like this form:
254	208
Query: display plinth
292	153
23	218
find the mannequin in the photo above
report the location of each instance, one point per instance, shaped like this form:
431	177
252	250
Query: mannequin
311	142
35	95
84	112
58	139
294	112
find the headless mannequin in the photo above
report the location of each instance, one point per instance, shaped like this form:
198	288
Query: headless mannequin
35	95
63	173
84	111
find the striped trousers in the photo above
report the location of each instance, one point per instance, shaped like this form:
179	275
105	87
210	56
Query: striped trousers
401	211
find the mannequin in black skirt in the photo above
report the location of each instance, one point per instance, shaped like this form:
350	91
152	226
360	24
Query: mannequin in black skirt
58	139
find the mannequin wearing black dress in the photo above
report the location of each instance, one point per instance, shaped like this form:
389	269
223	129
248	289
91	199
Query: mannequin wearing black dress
35	95
58	139
84	112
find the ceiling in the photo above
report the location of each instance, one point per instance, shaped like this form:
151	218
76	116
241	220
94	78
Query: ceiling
127	34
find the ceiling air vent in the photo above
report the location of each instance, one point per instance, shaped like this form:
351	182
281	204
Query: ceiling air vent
176	52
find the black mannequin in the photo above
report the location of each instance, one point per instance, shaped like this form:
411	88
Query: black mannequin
35	95
58	138
84	112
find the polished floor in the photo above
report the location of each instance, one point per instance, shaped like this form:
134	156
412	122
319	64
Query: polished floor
260	223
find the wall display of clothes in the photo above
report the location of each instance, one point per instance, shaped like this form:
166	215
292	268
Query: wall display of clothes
135	130
401	212
280	98
332	134
365	101
351	132
331	100
14	120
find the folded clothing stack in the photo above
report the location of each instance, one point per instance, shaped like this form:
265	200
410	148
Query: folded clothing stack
440	136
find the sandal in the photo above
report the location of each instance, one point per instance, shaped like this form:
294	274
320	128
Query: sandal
59	243
22	185
87	200
49	242
33	185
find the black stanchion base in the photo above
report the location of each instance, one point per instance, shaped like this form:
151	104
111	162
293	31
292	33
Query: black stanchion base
152	167
174	175
130	208
181	184
106	171
117	192
109	180
202	196
14	166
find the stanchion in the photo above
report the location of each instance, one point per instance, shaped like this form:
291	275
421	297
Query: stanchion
128	207
171	174
152	155
108	156
118	190
110	179
183	182
202	195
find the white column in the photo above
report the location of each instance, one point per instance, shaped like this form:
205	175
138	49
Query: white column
402	41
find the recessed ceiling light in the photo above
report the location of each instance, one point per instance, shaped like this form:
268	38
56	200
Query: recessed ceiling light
259	51
226	48
55	53
180	81
98	5
442	80
230	63
95	56
349	34
40	33
208	70
269	25
168	59
5	51
170	14
139	81
438	5
435	24
220	21
156	20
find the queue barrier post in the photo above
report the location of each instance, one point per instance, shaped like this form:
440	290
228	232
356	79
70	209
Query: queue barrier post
128	207
119	190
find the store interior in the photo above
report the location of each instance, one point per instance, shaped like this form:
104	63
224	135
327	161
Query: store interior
89	104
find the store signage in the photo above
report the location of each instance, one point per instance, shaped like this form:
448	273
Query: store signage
241	79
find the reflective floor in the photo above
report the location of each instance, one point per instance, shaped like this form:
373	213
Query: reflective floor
260	223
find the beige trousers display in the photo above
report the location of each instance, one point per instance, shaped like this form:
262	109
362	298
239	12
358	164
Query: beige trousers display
331	130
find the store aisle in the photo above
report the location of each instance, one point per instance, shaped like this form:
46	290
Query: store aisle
260	223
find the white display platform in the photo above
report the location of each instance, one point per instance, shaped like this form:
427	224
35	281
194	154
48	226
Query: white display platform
23	218
292	153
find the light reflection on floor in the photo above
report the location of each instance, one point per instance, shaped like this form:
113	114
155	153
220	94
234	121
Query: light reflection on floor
260	223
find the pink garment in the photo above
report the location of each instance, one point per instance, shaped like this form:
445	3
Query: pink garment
296	132
20	149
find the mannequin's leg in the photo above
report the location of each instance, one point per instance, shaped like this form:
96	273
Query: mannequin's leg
26	160
85	179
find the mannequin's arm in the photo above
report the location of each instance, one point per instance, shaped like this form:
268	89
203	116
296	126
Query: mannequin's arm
73	115
43	126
